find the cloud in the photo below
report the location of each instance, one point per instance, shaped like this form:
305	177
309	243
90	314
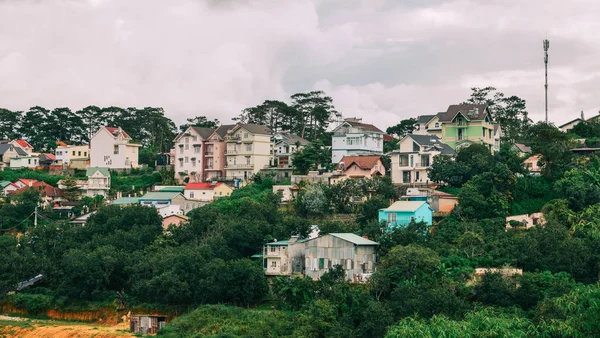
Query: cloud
380	60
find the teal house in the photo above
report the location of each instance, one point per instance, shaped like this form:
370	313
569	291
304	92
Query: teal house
401	213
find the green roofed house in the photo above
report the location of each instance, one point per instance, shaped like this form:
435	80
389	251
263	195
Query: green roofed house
126	201
164	198
98	183
465	124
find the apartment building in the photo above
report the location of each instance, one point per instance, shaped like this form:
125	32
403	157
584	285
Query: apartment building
113	148
248	150
66	154
214	153
354	138
190	148
285	144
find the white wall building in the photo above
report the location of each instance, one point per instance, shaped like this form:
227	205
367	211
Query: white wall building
410	163
353	138
112	148
189	153
98	181
24	162
248	150
65	154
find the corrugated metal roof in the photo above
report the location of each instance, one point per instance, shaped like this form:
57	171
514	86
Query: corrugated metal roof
92	170
160	195
126	200
350	237
405	206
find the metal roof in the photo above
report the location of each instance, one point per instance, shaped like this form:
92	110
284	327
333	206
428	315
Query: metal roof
405	206
350	237
126	200
159	195
92	170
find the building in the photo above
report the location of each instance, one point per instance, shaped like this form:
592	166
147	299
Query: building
355	254
284	147
189	154
428	125
316	256
48	193
521	149
48	160
126	201
411	163
23	182
207	191
146	324
285	191
353	138
498	135
248	150
361	166
8	151
316	177
175	220
163	198
440	202
30	162
24	145
113	148
525	221
532	164
215	153
7	187
401	213
98	183
465	124
565	127
66	154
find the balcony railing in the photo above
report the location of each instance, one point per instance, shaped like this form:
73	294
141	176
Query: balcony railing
239	166
208	153
232	138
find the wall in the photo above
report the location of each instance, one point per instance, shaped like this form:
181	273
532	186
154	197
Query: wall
102	151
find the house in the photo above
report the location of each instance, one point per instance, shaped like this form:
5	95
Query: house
113	148
498	135
24	145
206	191
532	164
147	324
8	151
353	138
66	154
126	201
356	255
440	202
47	160
316	177
284	146
401	213
565	127
525	221
30	162
361	166
248	150
215	153
190	152
411	163
465	124
161	198
175	219
428	125
168	210
315	256
98	183
23	182
48	193
285	191
521	149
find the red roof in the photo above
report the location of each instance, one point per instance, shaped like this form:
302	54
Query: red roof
50	156
202	186
60	144
27	181
23	144
363	162
45	189
388	138
114	131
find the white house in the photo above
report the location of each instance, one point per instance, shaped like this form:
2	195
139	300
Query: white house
248	150
65	154
98	183
497	136
284	147
24	162
113	148
410	163
190	148
353	138
7	152
428	125
207	191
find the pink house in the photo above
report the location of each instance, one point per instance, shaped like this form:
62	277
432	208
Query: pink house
175	220
361	166
531	164
214	153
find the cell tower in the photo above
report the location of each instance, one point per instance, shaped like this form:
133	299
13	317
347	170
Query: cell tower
546	46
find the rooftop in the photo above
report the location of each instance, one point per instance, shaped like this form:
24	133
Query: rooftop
405	206
159	195
202	186
126	200
363	162
354	238
92	170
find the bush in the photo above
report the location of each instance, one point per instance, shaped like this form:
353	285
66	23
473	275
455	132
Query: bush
32	303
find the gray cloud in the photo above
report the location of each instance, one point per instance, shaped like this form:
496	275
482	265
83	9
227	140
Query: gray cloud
380	60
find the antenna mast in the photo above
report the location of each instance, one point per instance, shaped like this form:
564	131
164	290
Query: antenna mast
546	46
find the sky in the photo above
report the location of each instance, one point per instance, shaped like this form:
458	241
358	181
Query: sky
381	60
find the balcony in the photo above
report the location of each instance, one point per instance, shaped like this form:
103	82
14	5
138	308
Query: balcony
233	139
239	166
208	153
232	151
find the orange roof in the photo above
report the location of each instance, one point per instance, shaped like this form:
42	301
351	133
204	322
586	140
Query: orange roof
23	144
60	144
50	156
202	186
363	162
114	130
45	189
388	138
27	181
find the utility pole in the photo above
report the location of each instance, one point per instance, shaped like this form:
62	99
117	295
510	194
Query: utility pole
546	46
35	217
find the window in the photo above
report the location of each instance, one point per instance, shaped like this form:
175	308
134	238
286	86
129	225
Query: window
460	134
425	161
459	122
194	138
351	141
193	163
187	140
247	160
490	131
391	217
412	160
416	146
197	150
437	125
417	176
85	152
355	168
74	152
191	195
115	150
483	132
29	161
79	153
403	160
272	248
187	146
245	135
187	160
204	193
273	264
321	263
406	176
248	147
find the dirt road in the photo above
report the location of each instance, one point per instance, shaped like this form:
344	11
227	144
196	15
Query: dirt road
57	329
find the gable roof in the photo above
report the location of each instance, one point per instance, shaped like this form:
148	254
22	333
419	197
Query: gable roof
410	206
363	162
92	170
431	141
26	181
292	139
363	126
255	128
202	186
203	132
115	131
4	147
522	148
425	118
45	189
126	200
222	130
160	195
388	138
572	121
478	112
4	183
49	156
23	144
354	238
20	151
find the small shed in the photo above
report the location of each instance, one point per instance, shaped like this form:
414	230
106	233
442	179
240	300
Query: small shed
147	324
401	213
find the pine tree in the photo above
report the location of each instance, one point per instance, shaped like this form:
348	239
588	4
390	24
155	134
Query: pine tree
71	191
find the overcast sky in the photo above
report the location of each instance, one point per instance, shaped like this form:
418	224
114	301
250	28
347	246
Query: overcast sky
380	60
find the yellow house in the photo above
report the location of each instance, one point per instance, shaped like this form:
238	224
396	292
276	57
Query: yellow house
206	191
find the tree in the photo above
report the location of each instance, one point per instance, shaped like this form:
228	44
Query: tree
311	157
553	147
200	121
404	127
314	110
71	191
470	161
9	123
496	290
579	188
277	115
312	201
